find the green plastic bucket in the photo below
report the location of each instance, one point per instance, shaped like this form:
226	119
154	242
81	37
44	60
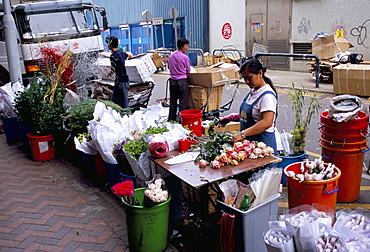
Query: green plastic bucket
147	227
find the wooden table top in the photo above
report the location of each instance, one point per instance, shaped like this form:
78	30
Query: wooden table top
192	174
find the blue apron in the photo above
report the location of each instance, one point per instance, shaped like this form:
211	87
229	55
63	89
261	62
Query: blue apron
246	121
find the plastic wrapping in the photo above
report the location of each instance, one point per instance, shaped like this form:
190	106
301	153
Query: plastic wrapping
279	240
8	92
329	240
305	227
343	108
353	226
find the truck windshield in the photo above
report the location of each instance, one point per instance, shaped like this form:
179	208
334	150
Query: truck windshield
60	23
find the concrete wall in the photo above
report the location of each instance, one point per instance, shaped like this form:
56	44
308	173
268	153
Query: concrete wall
312	16
227	11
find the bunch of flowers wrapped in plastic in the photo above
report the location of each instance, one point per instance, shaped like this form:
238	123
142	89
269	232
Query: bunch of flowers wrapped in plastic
232	155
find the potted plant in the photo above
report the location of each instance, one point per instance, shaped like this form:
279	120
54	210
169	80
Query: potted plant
41	106
302	119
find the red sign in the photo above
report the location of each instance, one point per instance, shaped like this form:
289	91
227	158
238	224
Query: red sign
227	31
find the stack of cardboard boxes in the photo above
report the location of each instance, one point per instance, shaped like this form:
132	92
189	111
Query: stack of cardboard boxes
348	78
202	89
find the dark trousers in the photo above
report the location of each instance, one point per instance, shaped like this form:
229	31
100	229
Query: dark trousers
179	91
120	94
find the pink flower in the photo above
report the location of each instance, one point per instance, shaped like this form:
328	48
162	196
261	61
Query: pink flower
124	189
215	164
202	163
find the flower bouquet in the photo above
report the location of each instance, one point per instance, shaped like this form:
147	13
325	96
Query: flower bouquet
155	193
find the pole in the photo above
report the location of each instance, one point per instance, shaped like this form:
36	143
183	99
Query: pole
12	49
163	42
148	36
175	26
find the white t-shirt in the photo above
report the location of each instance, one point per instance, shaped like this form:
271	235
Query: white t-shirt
267	102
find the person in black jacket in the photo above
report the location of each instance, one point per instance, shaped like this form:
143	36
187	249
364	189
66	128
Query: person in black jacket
122	83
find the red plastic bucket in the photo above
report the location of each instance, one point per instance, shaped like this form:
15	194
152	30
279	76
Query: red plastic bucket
342	130
100	168
193	119
348	158
361	121
309	192
42	147
354	137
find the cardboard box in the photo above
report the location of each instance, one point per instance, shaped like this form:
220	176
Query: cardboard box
140	69
157	59
198	96
208	76
230	127
328	47
353	79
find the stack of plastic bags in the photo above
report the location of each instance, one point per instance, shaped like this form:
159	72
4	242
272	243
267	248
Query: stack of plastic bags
305	228
7	96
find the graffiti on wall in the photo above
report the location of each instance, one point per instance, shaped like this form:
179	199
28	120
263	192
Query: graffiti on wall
360	32
336	26
304	26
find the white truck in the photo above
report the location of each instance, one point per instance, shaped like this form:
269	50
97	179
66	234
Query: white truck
66	25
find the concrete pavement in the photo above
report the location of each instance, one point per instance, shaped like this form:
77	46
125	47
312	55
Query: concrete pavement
51	206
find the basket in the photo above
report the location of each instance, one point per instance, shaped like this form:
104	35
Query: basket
198	97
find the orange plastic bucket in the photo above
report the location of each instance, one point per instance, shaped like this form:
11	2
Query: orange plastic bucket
350	137
322	192
193	119
348	158
42	147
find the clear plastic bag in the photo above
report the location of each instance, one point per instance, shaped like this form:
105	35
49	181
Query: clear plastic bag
343	108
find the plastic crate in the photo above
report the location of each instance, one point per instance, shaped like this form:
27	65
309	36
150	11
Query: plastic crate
250	225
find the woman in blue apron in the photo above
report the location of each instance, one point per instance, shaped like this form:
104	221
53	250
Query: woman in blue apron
258	110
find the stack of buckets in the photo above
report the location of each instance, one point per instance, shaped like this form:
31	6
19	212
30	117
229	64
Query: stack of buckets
344	144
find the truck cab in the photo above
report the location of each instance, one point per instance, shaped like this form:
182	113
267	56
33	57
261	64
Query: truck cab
63	25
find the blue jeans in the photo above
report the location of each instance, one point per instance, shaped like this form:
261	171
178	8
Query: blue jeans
120	94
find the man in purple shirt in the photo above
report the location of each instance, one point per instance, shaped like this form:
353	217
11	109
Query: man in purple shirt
179	66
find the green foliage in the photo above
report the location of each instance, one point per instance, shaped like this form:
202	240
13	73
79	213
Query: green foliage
155	130
44	112
81	113
135	147
302	116
211	146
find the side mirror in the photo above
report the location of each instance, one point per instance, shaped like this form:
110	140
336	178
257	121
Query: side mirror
103	13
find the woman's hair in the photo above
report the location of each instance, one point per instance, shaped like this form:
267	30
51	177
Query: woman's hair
254	66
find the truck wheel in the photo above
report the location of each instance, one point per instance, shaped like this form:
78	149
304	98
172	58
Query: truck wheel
4	76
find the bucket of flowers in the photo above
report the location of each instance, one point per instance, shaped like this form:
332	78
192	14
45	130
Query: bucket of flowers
146	209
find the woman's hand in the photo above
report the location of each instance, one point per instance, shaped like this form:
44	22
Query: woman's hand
237	137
